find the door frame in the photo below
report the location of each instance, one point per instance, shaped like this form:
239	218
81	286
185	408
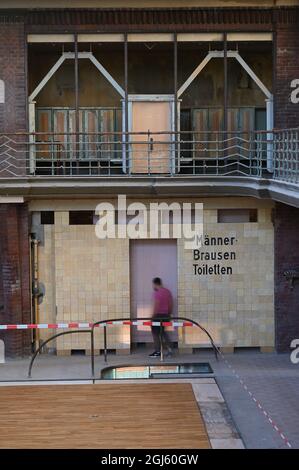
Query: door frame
131	242
174	108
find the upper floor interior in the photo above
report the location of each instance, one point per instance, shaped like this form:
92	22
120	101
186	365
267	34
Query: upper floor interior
152	92
150	103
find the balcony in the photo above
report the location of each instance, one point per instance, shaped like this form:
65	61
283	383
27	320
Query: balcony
166	158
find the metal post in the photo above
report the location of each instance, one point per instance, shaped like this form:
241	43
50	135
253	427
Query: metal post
161	342
32	147
105	343
127	160
77	124
176	118
225	102
269	113
36	290
149	149
92	352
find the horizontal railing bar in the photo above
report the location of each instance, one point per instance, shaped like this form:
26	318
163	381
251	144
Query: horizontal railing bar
270	131
193	152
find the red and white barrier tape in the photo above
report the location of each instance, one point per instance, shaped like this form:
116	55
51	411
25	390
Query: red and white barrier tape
79	325
256	401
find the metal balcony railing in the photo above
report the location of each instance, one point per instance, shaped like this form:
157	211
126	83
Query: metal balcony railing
273	154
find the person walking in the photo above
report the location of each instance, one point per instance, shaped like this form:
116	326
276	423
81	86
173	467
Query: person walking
162	312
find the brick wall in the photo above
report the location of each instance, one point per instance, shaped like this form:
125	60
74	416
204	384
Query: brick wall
286	257
14	268
286	69
12	72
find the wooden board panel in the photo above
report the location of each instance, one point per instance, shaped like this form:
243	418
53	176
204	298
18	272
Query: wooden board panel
90	144
101	416
43	125
153	156
207	122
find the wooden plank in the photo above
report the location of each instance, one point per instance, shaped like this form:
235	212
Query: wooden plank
107	125
90	125
199	126
43	117
101	416
216	123
60	129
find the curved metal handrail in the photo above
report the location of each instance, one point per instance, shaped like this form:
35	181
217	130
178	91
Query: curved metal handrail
107	321
53	337
100	322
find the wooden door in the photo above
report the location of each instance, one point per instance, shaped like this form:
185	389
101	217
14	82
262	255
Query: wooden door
151	154
149	259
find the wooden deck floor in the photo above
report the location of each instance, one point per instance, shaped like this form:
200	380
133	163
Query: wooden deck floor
101	416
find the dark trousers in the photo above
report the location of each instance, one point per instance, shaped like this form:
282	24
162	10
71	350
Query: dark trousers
158	331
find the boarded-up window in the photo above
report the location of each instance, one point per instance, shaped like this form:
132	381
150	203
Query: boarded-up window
2	92
82	218
208	122
99	138
47	217
236	215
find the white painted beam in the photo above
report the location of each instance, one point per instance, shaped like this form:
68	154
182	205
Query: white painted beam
199	37
50	38
220	55
81	55
249	37
253	76
107	75
150	37
11	199
47	78
2	92
101	37
194	74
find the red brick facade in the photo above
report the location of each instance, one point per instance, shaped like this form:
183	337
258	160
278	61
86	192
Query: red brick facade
286	69
13	73
14	276
14	226
286	258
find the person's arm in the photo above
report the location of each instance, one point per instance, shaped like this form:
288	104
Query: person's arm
155	302
170	304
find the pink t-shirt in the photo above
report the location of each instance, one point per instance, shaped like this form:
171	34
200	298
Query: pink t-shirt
163	301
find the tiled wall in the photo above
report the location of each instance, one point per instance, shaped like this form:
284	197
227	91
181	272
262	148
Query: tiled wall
92	280
236	309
